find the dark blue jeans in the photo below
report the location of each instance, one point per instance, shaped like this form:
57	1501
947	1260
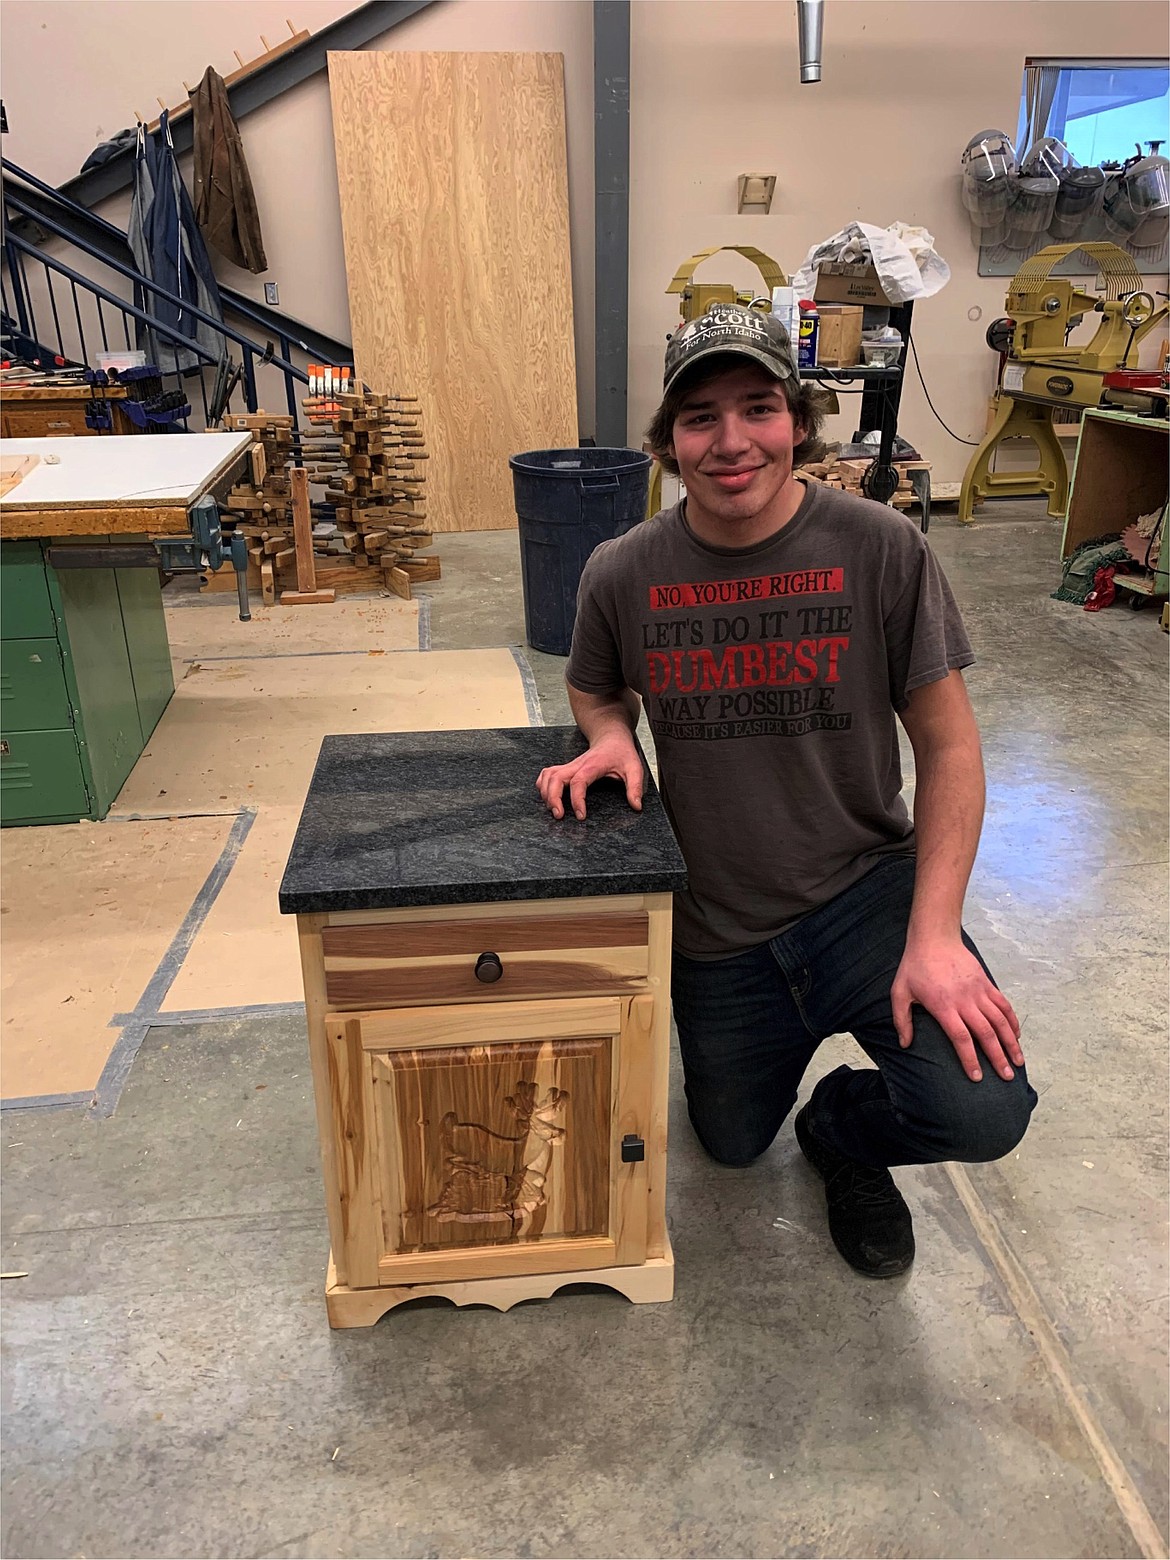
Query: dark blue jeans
748	1027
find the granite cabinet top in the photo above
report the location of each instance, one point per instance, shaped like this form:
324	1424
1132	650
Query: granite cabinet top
454	817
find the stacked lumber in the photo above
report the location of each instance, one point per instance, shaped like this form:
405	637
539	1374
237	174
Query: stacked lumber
847	475
260	508
367	451
264	503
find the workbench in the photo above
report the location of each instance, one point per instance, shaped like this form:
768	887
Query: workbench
1120	472
40	409
487	991
85	668
100	487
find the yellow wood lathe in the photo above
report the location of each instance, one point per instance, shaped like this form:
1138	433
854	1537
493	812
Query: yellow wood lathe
1042	371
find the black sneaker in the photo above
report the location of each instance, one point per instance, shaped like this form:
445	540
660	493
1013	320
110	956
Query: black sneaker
868	1217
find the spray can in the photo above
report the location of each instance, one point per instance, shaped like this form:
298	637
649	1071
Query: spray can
785	309
810	324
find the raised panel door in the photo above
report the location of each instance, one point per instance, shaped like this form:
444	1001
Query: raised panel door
491	1145
496	1144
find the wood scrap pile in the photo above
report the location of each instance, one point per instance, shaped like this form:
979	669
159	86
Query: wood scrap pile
265	502
369	531
367	452
848	475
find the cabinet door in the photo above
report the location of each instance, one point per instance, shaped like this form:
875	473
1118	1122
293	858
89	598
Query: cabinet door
100	661
482	1141
26	611
41	779
33	695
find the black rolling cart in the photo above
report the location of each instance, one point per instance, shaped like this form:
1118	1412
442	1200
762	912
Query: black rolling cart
880	390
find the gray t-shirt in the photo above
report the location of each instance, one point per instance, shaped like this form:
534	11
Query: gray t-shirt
770	676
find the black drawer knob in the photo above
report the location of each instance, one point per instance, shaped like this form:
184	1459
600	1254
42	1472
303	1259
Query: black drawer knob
633	1149
488	968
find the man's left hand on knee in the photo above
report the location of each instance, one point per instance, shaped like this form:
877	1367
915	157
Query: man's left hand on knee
948	980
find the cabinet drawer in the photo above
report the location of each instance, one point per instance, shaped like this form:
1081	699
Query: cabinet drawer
26	611
41	779
387	965
46	422
33	695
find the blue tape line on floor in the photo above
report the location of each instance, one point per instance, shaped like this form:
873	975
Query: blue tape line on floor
172	960
180	1016
117	1070
528	680
126	1048
47	1101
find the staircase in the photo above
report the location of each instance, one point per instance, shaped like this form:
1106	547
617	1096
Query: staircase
70	290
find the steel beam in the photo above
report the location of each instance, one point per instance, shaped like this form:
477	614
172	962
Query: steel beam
611	162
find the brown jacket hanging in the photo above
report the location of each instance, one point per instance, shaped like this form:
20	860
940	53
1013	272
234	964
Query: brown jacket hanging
225	205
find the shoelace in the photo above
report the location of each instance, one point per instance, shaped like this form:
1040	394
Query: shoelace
864	1187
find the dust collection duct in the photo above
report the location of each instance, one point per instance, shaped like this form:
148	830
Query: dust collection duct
810	14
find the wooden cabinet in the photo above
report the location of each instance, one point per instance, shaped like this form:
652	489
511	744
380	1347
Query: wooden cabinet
491	1099
44	411
1120	473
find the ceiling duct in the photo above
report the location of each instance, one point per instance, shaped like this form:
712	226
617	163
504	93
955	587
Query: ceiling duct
810	14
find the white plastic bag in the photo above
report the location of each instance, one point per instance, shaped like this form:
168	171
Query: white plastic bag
905	259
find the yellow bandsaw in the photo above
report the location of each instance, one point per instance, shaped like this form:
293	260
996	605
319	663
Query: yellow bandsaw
1042	371
696	298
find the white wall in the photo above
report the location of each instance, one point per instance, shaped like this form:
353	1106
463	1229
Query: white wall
104	59
715	92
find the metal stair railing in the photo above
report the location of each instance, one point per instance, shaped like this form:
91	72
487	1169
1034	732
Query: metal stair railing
288	332
17	250
176	337
25	330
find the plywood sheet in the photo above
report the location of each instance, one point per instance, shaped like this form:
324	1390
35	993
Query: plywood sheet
203	628
246	952
247	733
129	473
454	203
89	910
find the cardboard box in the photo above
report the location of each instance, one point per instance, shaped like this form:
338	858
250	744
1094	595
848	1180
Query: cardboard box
840	283
839	336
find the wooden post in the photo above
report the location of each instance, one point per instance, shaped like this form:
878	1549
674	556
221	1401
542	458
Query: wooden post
303	530
306	593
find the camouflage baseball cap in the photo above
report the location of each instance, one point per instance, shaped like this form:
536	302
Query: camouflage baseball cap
729	327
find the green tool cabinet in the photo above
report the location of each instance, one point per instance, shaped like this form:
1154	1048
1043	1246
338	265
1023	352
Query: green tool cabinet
85	674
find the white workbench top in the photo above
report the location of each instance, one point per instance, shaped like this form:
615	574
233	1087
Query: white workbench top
147	470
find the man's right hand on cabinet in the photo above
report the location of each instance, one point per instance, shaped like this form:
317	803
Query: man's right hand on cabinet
614	757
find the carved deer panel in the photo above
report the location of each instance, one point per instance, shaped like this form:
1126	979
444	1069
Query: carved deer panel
494	1144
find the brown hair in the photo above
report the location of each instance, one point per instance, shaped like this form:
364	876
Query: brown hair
807	402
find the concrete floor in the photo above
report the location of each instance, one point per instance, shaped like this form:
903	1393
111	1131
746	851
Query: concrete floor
172	1388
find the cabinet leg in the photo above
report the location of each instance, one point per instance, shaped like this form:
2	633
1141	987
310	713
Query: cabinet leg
651	1282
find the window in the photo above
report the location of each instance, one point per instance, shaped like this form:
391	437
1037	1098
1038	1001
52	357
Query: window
1102	110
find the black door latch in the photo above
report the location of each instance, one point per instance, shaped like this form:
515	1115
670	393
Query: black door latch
633	1149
